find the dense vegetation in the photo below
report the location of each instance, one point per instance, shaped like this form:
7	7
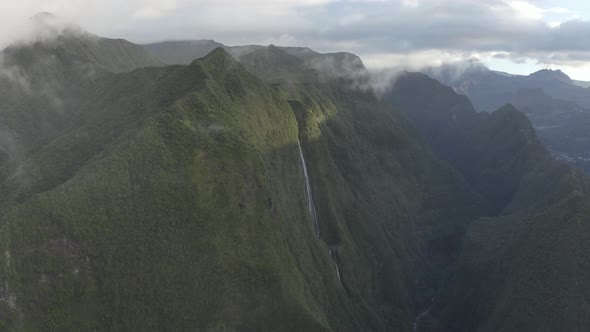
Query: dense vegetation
137	196
173	198
522	270
558	106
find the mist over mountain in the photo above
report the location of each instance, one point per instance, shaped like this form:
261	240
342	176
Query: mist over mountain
506	263
189	185
489	89
328	65
558	107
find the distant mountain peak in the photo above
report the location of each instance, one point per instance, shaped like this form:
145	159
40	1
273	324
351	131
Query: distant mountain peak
48	21
45	24
219	59
218	52
549	74
73	48
47	27
509	108
455	73
203	41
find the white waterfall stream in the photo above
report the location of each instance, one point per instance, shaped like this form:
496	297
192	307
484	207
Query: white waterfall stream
308	187
332	254
423	314
311	207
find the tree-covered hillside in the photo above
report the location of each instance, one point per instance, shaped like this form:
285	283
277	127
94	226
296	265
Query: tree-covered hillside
523	270
270	189
174	198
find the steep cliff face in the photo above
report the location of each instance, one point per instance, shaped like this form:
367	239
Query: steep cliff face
498	153
273	192
192	217
523	272
46	86
558	107
523	269
174	198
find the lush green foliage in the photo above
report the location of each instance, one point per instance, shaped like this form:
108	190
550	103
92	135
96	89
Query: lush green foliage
173	198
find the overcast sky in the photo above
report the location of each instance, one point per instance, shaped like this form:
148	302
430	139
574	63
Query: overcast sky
514	36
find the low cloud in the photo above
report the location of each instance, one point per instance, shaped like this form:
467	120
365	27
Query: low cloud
12	75
399	30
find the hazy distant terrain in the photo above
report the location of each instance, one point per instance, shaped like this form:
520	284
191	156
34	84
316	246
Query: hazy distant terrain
558	107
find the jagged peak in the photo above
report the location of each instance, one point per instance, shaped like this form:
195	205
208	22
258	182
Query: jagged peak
272	49
51	37
219	53
46	20
203	41
454	72
275	50
550	74
274	54
511	114
218	59
300	52
339	65
45	27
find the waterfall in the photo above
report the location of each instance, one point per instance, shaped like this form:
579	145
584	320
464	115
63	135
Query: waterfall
310	204
311	207
335	263
423	314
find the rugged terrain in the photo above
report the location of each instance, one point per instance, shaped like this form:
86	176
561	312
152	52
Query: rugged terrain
558	106
524	269
267	188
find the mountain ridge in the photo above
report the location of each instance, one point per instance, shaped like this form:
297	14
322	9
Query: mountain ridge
196	169
560	120
532	192
174	198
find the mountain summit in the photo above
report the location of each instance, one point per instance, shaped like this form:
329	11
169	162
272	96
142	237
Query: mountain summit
551	75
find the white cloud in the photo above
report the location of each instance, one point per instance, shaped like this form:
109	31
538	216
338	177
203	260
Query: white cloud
155	8
412	60
526	10
387	32
352	19
283	40
410	3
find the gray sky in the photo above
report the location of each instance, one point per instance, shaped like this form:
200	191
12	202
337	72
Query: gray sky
510	35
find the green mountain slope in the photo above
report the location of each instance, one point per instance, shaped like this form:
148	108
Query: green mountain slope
78	50
174	198
558	107
275	66
498	153
524	269
181	52
177	224
523	273
349	134
47	87
267	189
312	65
47	80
